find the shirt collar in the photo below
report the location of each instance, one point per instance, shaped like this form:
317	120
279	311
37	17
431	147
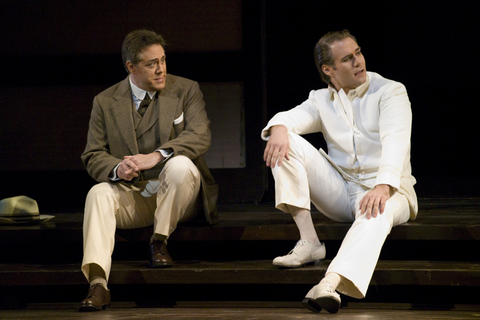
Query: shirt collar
358	92
139	93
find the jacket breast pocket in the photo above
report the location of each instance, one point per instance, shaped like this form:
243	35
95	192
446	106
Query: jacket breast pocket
178	125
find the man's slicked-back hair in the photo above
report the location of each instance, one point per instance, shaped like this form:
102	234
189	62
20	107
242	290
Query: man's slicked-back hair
135	42
323	51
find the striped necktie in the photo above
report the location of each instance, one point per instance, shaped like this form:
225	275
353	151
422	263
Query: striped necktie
144	104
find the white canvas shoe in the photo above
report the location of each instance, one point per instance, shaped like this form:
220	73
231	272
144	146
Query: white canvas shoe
322	296
303	253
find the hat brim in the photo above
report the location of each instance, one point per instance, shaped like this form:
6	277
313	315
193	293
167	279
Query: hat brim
9	221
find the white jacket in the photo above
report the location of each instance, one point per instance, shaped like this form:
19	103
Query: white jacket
367	132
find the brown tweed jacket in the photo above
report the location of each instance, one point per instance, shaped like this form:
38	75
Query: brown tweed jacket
178	122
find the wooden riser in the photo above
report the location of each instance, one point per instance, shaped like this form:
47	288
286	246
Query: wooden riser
451	220
422	273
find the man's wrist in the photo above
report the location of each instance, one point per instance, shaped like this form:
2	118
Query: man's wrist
278	127
388	188
159	156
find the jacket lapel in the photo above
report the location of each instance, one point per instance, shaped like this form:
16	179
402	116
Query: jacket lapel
122	113
168	107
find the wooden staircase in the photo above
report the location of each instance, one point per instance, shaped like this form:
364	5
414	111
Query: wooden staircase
433	260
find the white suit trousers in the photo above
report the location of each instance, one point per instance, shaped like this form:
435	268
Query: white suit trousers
163	203
309	177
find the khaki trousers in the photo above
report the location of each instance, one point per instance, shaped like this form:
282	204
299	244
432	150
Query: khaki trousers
308	177
162	202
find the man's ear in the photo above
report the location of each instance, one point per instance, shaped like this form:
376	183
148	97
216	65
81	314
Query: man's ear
327	69
130	67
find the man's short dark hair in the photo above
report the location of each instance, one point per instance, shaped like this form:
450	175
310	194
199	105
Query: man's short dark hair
323	51
135	42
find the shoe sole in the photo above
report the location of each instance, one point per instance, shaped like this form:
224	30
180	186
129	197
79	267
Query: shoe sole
328	303
91	307
311	305
315	262
160	265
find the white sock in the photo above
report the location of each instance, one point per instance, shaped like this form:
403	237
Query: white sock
99	280
304	222
333	278
97	275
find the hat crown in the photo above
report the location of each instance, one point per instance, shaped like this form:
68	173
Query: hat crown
18	206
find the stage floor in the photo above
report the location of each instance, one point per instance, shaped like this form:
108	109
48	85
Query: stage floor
243	310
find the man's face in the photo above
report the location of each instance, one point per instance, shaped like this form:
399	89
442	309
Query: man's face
150	73
349	71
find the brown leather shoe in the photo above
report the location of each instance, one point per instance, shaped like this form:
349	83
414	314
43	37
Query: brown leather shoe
98	298
158	255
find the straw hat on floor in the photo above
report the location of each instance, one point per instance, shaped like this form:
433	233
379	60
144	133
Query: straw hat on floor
21	210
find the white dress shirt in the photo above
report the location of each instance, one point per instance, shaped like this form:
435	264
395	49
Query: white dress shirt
139	94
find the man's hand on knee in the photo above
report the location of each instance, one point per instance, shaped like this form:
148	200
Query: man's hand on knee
277	146
374	201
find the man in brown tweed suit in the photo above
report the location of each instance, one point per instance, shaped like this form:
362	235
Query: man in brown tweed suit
145	143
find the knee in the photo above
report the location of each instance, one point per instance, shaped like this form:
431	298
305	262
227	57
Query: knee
297	155
299	147
98	193
296	142
180	170
399	209
99	190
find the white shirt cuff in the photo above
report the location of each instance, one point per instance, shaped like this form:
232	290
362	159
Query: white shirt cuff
165	154
114	174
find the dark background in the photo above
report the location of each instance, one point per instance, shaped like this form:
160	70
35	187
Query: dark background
56	55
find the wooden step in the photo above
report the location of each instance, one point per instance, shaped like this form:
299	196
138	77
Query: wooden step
438	250
422	273
438	219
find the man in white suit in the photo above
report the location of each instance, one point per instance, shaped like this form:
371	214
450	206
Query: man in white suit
365	178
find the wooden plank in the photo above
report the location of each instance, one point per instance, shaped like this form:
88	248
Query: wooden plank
424	273
456	220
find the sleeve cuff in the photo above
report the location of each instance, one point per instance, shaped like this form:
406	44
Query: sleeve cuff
165	153
388	178
114	176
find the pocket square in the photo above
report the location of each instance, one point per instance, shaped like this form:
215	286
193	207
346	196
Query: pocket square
178	120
